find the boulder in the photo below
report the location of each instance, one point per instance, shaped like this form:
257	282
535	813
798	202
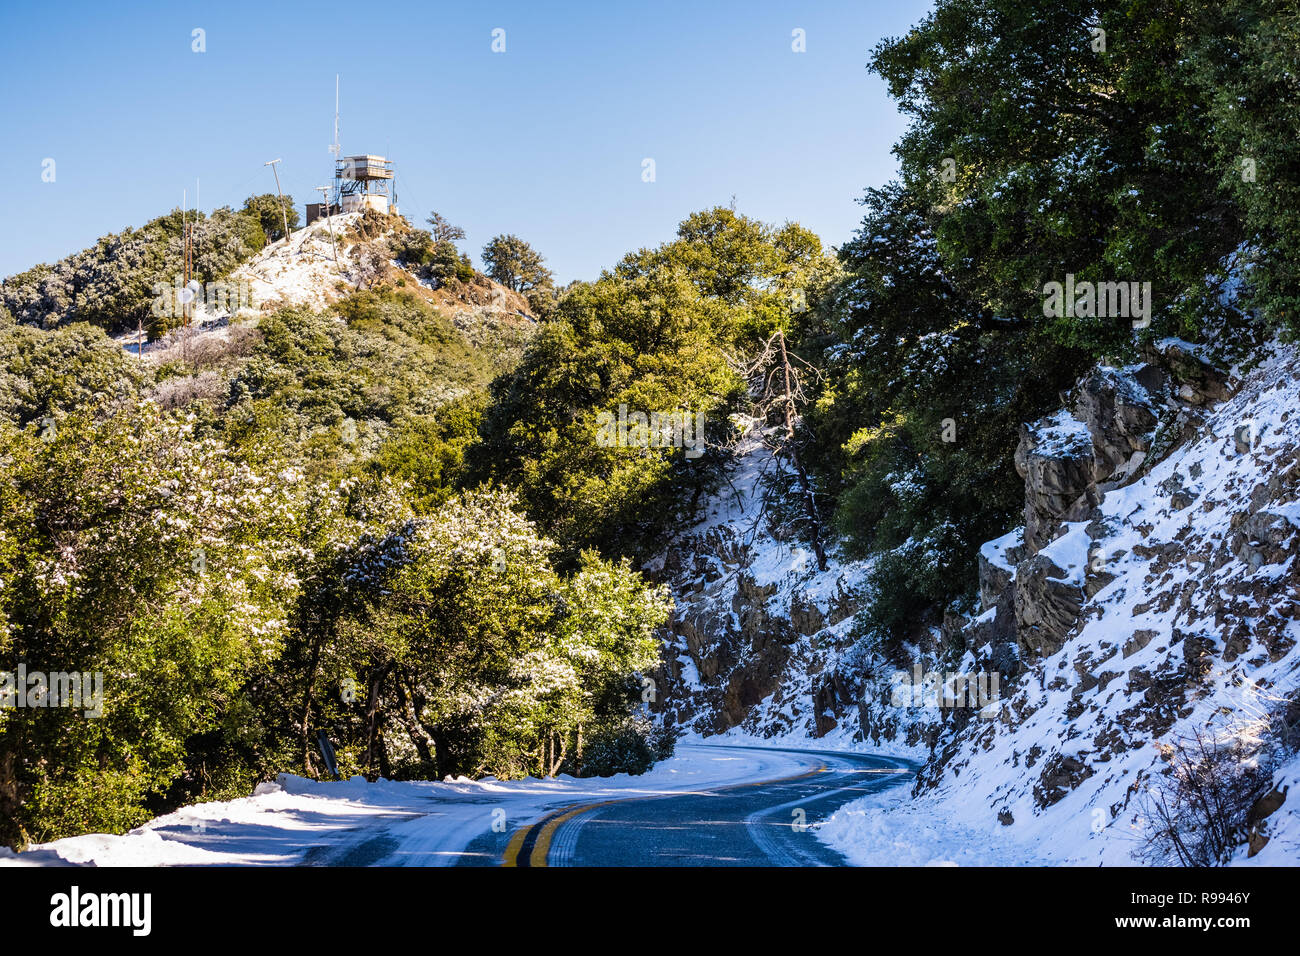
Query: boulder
1120	412
1196	382
1057	461
1047	606
835	694
1267	536
1060	775
806	618
997	561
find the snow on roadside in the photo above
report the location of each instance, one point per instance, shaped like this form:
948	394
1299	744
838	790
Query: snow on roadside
888	829
843	739
285	822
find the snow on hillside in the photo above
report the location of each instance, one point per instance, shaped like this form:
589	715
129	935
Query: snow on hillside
761	645
1189	625
302	270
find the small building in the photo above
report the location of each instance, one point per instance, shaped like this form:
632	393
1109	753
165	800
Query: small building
364	182
318	210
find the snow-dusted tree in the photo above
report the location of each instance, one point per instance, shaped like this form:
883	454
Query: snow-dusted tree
467	640
444	231
135	550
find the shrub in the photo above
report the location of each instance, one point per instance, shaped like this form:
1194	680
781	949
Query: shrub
413	247
115	283
627	745
1199	810
446	262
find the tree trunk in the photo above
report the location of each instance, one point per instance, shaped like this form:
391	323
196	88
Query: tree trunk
810	503
557	760
372	715
424	744
306	703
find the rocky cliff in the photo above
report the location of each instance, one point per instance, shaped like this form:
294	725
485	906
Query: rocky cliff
762	642
1142	624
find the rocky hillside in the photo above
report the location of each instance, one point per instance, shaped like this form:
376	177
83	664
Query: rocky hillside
762	642
1141	624
1150	607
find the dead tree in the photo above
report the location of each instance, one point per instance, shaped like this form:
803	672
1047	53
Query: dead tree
778	387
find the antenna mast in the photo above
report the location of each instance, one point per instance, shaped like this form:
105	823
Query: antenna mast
185	255
324	194
337	150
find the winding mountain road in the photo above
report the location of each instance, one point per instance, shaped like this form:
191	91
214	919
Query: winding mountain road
762	823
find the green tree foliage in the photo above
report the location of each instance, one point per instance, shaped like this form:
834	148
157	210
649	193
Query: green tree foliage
515	264
52	374
114	283
335	385
135	551
913	430
231	566
659	332
270	212
1047	138
428	452
1247	61
414	247
1082	140
498	661
446	262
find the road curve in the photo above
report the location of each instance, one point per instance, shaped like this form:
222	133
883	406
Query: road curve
763	823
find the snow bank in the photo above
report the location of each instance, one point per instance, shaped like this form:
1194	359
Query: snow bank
295	820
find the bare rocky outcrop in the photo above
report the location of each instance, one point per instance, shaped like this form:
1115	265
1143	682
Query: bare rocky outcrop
1047	604
1152	596
1152	586
762	640
1120	409
1069	460
1056	459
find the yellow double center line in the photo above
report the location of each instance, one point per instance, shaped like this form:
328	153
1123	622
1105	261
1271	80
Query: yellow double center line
537	837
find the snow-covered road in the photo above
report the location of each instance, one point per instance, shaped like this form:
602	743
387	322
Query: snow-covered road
297	821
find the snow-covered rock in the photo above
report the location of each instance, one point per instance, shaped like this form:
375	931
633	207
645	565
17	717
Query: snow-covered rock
1157	611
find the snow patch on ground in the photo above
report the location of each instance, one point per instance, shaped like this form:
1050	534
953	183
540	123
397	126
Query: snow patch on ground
296	820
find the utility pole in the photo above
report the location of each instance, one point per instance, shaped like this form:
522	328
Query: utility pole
283	211
329	218
185	281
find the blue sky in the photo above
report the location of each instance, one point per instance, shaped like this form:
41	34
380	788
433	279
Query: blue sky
545	140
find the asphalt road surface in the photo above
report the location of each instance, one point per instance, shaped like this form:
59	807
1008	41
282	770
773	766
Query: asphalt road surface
764	823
